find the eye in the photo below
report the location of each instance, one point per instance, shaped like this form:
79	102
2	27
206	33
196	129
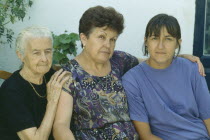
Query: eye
48	51
102	37
169	39
36	53
113	40
154	38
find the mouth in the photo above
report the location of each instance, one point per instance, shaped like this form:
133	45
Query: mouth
43	65
106	52
160	52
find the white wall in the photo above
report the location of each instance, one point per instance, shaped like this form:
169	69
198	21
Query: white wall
60	15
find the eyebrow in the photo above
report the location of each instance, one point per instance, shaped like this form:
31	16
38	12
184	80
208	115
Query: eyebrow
103	32
49	49
164	36
168	36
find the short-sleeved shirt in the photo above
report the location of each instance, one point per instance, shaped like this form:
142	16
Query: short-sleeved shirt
20	106
100	110
174	101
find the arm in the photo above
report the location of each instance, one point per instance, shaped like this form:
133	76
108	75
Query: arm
143	129
207	124
137	108
61	127
202	97
54	88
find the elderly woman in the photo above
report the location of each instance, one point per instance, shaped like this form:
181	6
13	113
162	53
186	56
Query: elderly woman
28	99
93	105
168	99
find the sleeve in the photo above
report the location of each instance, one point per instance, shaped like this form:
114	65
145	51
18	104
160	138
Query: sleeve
70	85
201	93
136	105
14	110
125	60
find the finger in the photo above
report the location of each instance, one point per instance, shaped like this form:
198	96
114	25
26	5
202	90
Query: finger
193	59
64	80
201	68
56	75
63	75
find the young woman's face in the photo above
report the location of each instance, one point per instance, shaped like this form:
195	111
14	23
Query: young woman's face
161	49
100	44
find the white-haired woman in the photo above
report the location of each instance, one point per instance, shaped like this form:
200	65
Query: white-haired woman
28	99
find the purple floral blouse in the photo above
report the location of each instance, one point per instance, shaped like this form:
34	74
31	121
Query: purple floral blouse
100	110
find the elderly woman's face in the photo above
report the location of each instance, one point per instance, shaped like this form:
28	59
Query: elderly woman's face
100	44
38	55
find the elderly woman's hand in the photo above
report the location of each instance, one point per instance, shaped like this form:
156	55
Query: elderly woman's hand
54	86
196	60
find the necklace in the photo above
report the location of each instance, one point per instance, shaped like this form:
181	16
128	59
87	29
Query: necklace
35	89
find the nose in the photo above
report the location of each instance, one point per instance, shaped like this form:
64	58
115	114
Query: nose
160	44
43	57
107	43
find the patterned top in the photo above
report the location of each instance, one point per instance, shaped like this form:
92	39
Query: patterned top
100	110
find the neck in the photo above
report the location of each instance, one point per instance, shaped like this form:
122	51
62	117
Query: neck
156	65
92	67
31	77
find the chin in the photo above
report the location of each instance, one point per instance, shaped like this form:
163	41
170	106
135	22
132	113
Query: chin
43	70
161	61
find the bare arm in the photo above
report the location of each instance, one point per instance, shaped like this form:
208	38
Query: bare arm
144	131
61	127
207	124
54	88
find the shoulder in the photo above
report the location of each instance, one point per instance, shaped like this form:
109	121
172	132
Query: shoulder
121	54
186	64
134	73
70	66
124	61
13	88
13	81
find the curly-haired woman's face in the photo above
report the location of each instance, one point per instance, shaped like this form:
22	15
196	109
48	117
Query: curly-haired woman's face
100	44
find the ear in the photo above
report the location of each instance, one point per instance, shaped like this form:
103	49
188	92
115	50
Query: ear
180	41
20	56
83	38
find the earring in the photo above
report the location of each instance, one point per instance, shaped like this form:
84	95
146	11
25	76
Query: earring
83	46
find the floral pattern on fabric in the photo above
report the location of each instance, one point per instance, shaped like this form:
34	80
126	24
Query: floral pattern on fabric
100	110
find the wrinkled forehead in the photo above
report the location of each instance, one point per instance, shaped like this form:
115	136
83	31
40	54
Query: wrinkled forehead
38	43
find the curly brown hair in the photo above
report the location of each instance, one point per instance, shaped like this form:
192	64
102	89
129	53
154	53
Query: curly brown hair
100	16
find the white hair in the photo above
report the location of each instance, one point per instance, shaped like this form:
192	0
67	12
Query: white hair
31	32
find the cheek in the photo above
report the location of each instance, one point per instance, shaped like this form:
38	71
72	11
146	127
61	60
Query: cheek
49	57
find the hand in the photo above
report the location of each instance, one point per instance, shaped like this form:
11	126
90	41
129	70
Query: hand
196	60
54	86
